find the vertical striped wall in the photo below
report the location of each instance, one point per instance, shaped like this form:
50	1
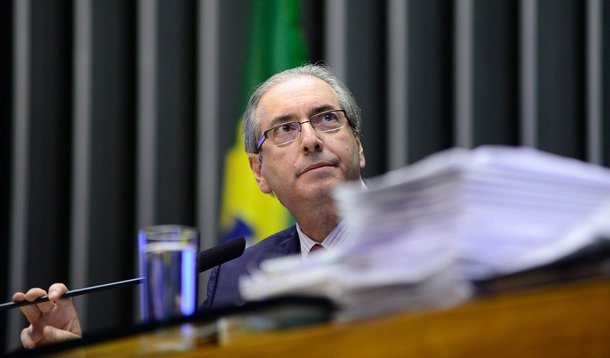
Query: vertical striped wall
116	114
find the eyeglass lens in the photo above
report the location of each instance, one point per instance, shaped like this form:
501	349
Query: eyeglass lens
322	122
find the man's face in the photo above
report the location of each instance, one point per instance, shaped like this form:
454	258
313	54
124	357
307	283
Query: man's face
309	167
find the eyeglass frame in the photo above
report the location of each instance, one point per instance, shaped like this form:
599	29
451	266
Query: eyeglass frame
264	136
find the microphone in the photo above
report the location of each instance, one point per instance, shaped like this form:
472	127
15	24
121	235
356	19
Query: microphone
220	254
206	260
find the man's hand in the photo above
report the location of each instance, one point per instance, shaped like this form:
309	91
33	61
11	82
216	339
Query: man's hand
50	322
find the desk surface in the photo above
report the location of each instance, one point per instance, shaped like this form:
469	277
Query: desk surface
569	320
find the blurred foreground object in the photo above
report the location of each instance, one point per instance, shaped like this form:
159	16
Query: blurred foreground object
419	235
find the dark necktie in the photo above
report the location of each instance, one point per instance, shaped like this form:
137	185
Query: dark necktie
316	247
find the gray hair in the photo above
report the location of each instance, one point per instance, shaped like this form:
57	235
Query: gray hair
251	125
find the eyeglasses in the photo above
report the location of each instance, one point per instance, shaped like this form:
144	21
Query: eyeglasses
325	122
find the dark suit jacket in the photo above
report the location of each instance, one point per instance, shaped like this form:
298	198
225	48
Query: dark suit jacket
223	290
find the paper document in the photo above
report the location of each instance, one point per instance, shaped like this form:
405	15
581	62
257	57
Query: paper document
419	235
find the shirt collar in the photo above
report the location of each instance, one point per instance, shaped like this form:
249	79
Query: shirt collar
333	239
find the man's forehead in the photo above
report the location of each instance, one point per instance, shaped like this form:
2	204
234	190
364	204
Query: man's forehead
296	97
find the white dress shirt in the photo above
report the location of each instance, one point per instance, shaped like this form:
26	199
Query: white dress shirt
333	239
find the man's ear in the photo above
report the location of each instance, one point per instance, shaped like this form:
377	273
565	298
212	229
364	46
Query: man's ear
257	170
360	150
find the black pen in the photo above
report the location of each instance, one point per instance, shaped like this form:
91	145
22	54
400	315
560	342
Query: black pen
77	292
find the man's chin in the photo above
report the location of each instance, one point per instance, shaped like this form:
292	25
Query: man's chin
322	188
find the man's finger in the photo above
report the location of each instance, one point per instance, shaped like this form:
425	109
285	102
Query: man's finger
56	292
31	312
26	339
57	288
45	307
34	293
54	335
18	296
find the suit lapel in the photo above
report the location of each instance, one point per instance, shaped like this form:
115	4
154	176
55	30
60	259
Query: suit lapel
286	244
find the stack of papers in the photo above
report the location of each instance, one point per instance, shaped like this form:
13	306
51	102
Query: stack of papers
508	209
420	234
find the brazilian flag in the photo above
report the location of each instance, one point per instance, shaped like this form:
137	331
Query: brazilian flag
276	43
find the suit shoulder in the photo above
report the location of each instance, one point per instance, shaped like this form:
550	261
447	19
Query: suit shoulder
223	285
285	242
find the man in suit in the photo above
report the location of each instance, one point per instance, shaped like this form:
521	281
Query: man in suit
301	131
302	135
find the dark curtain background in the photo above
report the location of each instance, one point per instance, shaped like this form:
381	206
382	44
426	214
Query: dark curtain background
428	74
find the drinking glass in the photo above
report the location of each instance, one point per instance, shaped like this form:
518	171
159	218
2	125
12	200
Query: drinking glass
168	262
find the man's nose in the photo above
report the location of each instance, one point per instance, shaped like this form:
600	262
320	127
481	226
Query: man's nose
310	138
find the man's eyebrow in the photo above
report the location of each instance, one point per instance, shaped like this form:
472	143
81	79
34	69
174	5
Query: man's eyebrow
288	118
281	119
322	108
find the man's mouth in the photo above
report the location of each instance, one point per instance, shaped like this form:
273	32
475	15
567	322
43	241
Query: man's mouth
315	166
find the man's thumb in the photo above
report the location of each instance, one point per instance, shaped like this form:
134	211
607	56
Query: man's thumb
56	335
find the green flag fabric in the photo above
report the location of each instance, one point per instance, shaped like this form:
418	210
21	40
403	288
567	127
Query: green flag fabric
276	43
